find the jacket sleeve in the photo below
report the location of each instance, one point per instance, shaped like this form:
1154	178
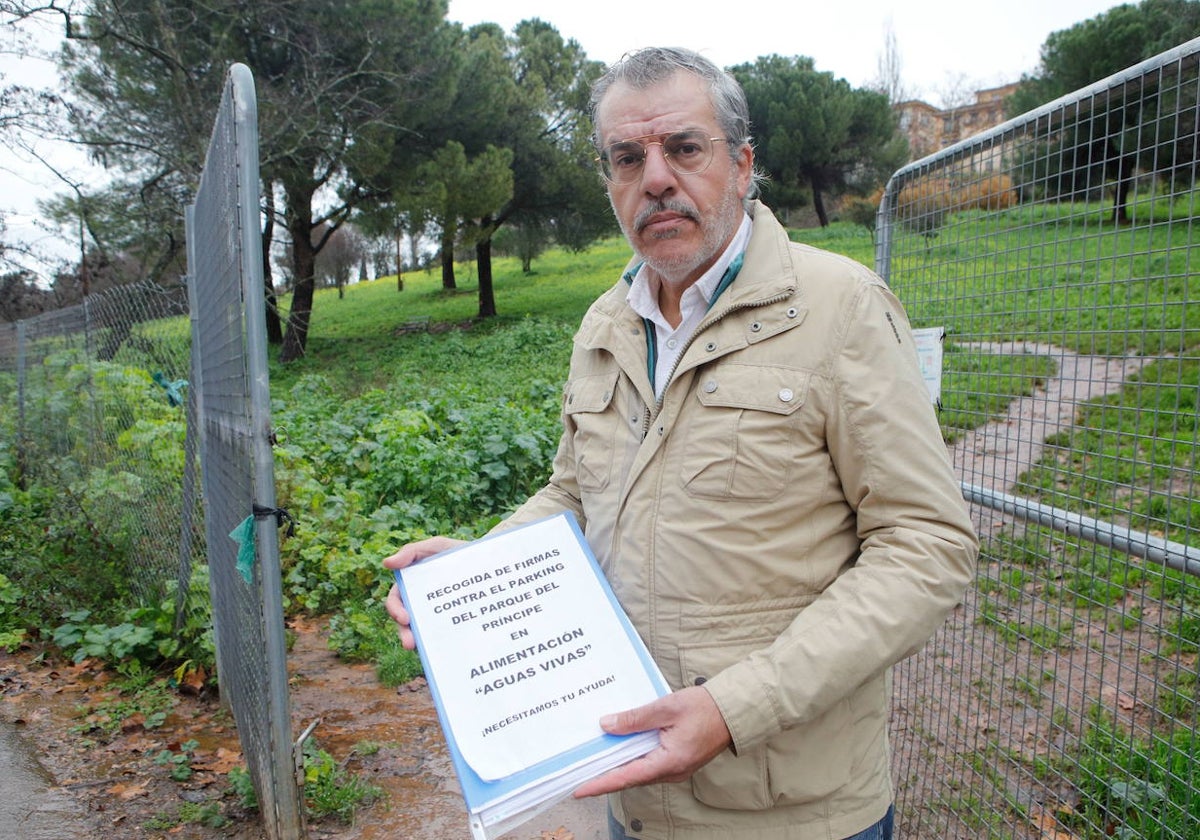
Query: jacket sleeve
917	544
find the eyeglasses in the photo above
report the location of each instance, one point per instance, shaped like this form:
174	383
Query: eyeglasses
686	152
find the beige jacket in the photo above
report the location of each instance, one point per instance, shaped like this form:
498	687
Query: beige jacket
783	527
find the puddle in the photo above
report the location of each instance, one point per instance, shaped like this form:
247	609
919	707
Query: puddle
32	807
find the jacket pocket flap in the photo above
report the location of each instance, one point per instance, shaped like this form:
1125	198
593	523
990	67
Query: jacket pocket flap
780	390
591	393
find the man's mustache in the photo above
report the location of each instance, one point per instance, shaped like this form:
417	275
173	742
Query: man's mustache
686	210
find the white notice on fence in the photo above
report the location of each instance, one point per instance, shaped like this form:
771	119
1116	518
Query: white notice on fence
929	353
526	644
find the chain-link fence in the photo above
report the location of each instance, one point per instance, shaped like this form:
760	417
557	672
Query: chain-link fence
113	404
99	399
1056	256
229	345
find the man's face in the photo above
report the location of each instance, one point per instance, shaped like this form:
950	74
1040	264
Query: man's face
679	224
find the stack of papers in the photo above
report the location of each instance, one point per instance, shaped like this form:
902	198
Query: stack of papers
525	648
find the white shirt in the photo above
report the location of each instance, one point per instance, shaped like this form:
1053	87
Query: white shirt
693	306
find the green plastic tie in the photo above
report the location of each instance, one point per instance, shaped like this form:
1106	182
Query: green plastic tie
174	389
243	535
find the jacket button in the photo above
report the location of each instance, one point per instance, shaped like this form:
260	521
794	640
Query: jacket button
755	327
791	313
635	825
711	346
700	681
786	395
710	386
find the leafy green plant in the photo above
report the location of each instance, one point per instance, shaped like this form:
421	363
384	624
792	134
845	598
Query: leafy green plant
242	786
141	697
147	635
366	635
207	814
11	631
179	762
329	789
108	452
1137	789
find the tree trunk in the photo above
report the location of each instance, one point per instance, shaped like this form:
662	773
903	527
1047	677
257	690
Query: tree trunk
274	326
819	206
304	260
487	296
448	261
1125	170
414	248
399	262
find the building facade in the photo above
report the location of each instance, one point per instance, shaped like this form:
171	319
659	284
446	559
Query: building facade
931	129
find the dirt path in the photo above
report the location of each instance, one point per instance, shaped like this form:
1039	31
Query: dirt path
32	805
993	456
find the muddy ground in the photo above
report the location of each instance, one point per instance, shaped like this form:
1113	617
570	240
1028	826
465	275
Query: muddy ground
119	791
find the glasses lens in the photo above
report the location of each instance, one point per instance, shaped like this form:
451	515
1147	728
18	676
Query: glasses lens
622	162
688	152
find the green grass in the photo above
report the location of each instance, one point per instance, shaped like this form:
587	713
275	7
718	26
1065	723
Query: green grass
1054	273
357	340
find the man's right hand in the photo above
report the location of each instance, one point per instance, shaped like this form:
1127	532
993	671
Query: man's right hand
406	556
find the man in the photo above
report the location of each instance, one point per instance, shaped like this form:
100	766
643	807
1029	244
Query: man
750	448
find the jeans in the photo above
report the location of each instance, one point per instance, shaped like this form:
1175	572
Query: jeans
882	830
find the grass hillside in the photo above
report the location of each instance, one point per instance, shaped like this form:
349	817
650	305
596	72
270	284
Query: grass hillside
359	341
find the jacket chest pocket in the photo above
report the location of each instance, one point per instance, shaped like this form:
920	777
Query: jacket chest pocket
739	438
587	409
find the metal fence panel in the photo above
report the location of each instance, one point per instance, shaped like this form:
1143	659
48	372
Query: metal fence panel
1059	254
226	289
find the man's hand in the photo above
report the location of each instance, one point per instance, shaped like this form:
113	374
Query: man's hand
691	733
406	556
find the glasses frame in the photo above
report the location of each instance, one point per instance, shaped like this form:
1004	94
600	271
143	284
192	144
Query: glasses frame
602	159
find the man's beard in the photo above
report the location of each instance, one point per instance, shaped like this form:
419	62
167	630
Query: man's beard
717	229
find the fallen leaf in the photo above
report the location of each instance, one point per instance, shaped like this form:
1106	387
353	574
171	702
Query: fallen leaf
193	682
126	792
1047	825
137	720
559	833
140	744
224	761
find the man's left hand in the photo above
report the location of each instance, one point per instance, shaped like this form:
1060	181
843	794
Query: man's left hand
691	733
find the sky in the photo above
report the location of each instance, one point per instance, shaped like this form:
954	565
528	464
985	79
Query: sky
984	42
944	47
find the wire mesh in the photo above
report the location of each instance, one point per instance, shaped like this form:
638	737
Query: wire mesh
1058	254
98	405
228	328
